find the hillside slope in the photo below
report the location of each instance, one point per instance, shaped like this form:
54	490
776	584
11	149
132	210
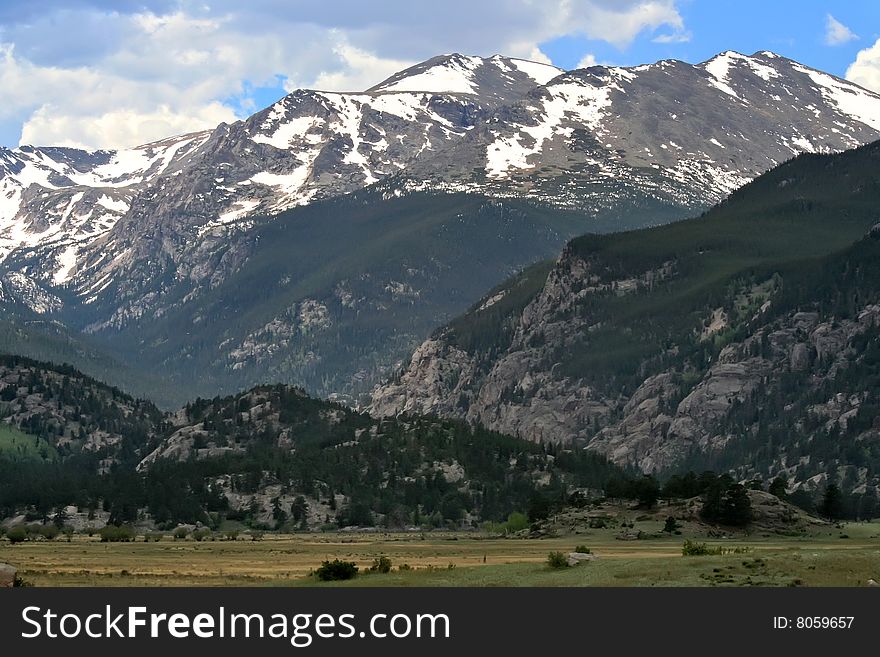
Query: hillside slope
270	457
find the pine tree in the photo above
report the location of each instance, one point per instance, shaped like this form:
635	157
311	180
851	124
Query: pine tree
737	510
779	487
832	502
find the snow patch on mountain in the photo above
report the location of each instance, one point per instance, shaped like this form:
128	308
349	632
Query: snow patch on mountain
113	204
576	102
19	288
540	73
66	263
283	136
862	105
455	76
718	68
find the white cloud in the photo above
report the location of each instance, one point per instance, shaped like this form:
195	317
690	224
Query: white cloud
85	73
355	70
865	71
620	22
674	37
836	33
52	125
587	61
535	55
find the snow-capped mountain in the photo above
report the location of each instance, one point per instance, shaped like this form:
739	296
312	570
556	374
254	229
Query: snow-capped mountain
69	196
63	205
497	80
110	239
685	133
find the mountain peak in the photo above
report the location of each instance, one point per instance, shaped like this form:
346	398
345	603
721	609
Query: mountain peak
468	74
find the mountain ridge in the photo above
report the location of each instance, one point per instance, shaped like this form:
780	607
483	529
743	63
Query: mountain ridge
173	223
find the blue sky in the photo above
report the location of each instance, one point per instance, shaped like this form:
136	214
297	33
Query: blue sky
102	74
794	29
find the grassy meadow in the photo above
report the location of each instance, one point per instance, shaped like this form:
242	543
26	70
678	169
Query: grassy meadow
18	445
845	555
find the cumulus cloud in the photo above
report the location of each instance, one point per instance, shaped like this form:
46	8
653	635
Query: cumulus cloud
354	69
836	33
865	71
109	74
50	124
587	61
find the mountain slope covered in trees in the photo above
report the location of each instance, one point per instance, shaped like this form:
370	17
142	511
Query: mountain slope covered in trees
271	457
742	339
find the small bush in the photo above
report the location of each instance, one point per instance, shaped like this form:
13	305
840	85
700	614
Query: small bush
117	534
584	549
516	522
404	567
17	535
49	532
231	535
381	565
256	536
180	533
694	549
155	537
331	571
557	560
201	534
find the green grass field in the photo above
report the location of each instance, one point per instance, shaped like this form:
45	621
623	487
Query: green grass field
829	556
19	445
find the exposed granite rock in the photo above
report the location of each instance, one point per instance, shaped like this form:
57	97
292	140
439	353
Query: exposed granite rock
7	576
437	381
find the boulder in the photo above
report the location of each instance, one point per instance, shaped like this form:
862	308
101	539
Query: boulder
574	558
629	535
7	576
873	582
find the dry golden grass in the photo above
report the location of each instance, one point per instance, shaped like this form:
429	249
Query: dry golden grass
822	559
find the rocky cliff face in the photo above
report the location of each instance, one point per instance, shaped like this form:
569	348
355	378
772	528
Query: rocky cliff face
675	416
656	435
519	391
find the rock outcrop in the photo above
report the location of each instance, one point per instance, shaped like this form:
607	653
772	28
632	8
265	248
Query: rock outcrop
7	576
